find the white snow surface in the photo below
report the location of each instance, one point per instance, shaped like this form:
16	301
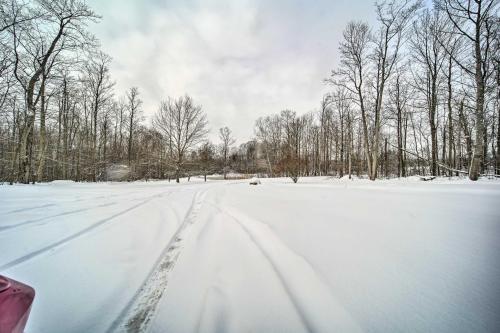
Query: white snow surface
323	255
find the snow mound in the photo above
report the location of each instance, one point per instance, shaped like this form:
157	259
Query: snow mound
255	181
62	182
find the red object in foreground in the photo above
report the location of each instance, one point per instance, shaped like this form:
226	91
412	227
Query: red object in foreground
15	305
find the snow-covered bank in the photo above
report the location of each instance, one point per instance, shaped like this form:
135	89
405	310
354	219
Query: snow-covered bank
321	255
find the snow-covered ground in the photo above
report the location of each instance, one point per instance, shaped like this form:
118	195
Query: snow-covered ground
323	255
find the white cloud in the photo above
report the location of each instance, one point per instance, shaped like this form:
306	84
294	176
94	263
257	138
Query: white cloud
239	59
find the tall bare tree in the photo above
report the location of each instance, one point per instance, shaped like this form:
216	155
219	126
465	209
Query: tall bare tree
100	89
227	140
134	104
430	55
352	73
183	124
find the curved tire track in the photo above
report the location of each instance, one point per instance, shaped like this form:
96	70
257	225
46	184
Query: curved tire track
308	293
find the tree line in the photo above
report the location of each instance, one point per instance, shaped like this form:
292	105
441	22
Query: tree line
60	117
418	93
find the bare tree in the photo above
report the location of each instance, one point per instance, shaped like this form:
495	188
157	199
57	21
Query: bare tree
496	65
430	55
354	51
399	94
474	21
393	17
227	140
268	130
292	135
183	124
325	135
206	154
134	104
100	89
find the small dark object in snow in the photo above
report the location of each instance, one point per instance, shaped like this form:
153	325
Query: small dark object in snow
15	305
427	178
255	181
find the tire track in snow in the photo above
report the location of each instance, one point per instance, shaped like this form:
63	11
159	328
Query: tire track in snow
214	299
88	196
75	200
69	212
20	210
310	296
83	232
137	314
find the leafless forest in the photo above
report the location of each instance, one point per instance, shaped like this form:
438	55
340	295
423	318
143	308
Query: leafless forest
418	93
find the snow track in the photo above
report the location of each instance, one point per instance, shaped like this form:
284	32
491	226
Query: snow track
53	217
55	245
137	314
309	294
20	210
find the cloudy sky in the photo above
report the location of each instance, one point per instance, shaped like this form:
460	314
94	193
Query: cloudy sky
239	59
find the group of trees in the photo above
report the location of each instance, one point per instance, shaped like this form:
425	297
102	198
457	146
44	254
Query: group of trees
60	117
56	93
419	93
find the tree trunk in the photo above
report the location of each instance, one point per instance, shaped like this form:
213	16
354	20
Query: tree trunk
386	160
42	143
477	157
432	123
130	136
27	133
498	146
467	133
400	140
451	162
342	159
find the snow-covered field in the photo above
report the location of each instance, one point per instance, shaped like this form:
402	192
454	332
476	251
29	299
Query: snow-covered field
323	255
